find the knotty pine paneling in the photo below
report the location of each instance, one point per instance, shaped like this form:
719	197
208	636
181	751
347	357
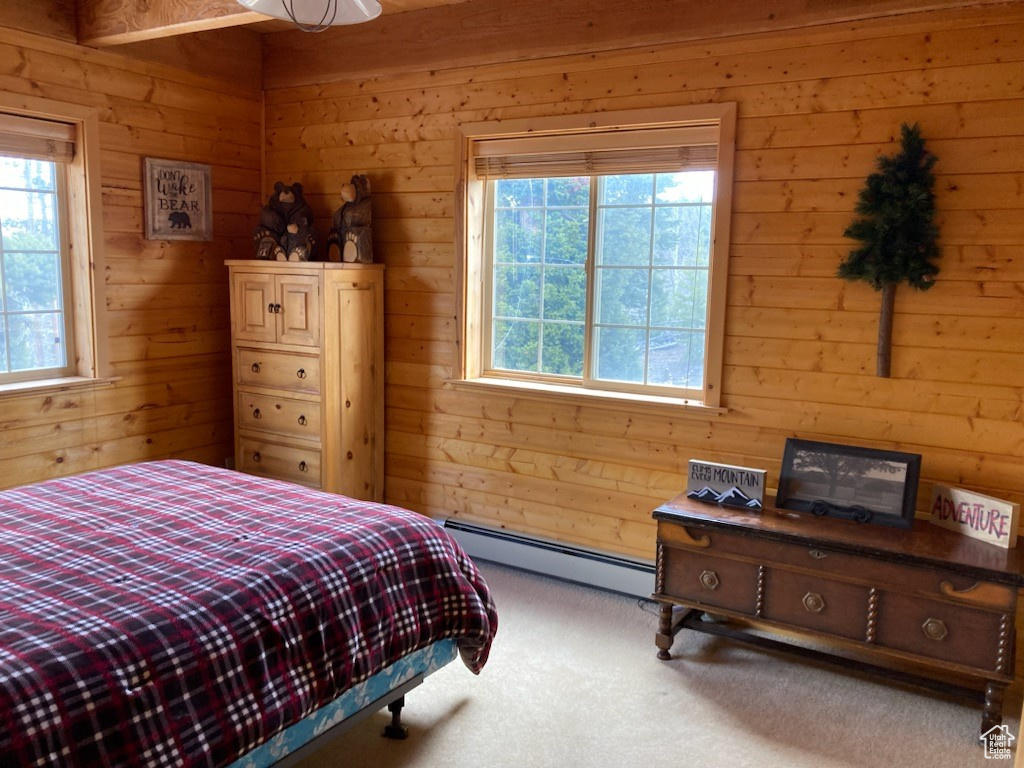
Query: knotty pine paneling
166	301
494	31
816	107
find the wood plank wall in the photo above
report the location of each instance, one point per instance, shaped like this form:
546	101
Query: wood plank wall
167	302
816	107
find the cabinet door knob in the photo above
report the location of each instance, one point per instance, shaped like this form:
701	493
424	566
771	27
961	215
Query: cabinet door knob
255	367
302	421
277	309
301	373
935	629
709	580
256	413
302	466
270	307
814	603
256	457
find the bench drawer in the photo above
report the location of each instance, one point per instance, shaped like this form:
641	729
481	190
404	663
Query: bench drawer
710	581
946	632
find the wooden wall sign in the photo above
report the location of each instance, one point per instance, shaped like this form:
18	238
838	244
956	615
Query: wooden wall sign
178	200
725	484
975	515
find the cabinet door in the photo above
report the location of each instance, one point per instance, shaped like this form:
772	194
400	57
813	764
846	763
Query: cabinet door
353	374
299	318
252	311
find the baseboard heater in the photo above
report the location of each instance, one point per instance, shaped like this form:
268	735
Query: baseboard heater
618	573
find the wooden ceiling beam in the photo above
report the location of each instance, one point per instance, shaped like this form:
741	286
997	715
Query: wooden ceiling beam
114	22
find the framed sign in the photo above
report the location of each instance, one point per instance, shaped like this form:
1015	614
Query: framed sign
177	199
860	484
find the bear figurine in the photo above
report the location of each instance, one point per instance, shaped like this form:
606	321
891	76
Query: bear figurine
285	231
350	239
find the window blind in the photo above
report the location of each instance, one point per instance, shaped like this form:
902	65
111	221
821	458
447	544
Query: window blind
36	139
597	153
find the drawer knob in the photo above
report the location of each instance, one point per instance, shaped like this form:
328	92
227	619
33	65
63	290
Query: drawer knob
709	580
301	373
302	421
935	629
814	603
817	554
255	367
302	466
256	457
256	414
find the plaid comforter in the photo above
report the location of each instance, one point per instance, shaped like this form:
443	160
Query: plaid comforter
174	614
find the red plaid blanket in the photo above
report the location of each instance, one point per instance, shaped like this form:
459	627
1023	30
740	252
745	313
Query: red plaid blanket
174	614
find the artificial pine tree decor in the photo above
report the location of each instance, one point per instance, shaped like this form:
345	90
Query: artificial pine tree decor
896	227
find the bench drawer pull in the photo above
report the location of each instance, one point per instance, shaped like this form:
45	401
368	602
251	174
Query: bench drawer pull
814	603
935	629
709	580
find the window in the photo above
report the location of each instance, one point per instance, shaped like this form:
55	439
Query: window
596	251
34	328
47	291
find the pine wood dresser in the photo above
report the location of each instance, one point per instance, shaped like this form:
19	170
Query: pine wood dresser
308	359
924	606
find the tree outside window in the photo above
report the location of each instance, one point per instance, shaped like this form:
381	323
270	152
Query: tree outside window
651	238
32	318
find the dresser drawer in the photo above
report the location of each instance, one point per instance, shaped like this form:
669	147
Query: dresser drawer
279	370
280	415
710	581
810	602
937	630
285	462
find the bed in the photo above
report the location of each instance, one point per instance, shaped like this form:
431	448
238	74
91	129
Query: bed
169	613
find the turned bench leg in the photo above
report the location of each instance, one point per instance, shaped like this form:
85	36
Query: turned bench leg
992	712
670	621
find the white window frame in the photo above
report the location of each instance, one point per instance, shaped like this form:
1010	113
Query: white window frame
473	256
82	229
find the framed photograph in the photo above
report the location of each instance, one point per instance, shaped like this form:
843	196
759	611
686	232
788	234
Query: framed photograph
860	484
178	200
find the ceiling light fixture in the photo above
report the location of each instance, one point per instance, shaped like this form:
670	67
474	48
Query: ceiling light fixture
316	15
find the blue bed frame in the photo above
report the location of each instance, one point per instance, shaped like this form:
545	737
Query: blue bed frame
387	688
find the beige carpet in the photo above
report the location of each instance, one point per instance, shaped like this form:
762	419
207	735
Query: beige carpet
573	681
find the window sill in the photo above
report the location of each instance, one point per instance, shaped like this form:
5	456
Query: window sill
48	386
578	396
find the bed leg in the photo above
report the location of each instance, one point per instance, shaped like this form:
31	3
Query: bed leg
396	730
